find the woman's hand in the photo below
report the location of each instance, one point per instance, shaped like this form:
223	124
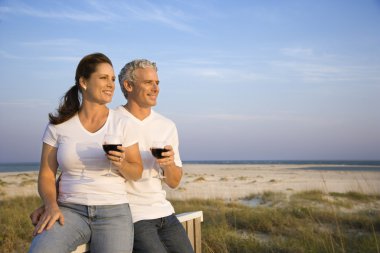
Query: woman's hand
48	218
117	157
128	161
35	216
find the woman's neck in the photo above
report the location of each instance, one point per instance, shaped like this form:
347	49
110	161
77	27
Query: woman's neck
93	117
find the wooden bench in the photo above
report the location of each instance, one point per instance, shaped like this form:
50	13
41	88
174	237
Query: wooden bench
191	221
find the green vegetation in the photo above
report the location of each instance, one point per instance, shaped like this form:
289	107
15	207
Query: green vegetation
29	182
241	178
15	226
199	179
310	221
3	183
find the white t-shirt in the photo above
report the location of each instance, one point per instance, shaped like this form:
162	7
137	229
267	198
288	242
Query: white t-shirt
147	198
83	162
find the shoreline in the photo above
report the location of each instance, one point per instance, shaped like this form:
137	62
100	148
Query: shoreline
233	181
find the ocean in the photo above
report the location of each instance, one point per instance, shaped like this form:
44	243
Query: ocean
314	165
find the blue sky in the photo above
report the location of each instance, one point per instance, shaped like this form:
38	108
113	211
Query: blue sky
284	79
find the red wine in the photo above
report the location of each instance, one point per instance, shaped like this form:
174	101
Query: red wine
110	147
157	152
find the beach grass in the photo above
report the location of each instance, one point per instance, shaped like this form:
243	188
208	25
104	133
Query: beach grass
15	226
309	221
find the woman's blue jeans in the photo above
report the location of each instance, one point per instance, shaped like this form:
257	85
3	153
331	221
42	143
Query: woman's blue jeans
108	228
163	235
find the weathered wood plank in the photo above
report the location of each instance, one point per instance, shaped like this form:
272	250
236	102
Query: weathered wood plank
191	221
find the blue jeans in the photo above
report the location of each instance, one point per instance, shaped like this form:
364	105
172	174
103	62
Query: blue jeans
108	228
163	235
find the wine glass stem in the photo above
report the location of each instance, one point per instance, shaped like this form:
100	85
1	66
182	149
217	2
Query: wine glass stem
109	169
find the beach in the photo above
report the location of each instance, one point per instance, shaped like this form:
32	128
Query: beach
234	181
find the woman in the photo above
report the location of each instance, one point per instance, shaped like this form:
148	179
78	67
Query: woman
91	206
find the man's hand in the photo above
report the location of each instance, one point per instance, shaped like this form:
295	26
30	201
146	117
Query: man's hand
172	172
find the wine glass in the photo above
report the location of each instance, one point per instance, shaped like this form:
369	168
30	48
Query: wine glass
157	149
110	143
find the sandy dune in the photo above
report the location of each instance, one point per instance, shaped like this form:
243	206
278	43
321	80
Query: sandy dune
231	182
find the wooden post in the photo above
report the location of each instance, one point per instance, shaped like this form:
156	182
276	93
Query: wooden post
191	221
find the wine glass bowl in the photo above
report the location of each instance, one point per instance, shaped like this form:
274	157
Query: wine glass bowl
157	148
157	152
110	143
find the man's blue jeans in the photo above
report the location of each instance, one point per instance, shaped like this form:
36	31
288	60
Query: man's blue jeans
163	235
108	228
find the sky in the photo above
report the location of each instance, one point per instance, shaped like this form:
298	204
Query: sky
242	80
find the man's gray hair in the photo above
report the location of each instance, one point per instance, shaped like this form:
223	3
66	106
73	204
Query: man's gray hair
127	73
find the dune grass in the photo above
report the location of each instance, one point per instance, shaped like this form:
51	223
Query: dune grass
15	226
311	221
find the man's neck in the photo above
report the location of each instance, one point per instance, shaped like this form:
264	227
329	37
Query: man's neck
139	112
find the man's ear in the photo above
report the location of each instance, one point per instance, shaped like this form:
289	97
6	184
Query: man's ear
128	86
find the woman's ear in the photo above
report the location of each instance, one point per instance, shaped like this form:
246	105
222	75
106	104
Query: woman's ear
82	83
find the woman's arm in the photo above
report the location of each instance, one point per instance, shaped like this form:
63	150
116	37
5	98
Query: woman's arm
130	164
47	189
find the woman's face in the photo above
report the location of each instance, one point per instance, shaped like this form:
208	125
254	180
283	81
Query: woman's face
99	88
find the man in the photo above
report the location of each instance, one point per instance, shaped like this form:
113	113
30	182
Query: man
156	228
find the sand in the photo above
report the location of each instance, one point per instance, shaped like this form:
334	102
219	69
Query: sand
232	182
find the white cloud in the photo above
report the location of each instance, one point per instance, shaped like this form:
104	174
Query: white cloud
6	55
297	52
278	116
100	11
167	15
320	72
59	12
64	42
223	74
61	58
25	103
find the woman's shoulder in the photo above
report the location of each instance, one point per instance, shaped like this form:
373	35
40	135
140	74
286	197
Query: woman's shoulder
64	125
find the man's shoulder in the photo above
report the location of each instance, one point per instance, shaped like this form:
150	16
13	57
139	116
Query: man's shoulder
120	116
160	117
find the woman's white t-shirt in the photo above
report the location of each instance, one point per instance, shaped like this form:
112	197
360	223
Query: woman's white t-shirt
83	162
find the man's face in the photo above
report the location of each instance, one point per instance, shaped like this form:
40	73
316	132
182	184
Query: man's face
144	91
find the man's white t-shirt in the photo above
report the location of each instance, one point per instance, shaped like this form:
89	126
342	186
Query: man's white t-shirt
83	162
147	198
